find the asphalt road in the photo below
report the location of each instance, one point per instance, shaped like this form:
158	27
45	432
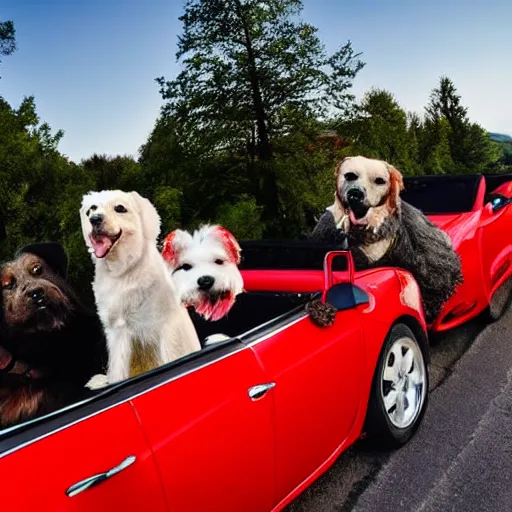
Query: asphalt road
461	457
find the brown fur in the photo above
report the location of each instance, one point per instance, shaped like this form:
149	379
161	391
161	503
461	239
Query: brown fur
19	404
321	314
395	187
19	310
143	359
56	345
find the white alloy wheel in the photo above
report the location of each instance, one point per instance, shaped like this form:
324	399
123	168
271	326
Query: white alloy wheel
403	382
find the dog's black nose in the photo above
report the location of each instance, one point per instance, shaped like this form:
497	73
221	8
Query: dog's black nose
355	194
38	296
205	282
96	219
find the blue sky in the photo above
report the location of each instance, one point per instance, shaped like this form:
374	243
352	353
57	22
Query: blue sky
91	64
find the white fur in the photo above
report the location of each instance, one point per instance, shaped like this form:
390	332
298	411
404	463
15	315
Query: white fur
201	250
374	252
215	338
135	296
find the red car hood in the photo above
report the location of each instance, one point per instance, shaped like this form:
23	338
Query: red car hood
459	226
447	220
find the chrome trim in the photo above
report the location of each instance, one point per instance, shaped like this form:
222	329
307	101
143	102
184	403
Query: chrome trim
256	392
265	325
276	331
92	481
99	411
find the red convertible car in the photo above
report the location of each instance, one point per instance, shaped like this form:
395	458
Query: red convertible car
247	423
476	212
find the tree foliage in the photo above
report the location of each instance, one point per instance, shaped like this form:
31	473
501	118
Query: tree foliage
7	39
470	147
250	69
248	136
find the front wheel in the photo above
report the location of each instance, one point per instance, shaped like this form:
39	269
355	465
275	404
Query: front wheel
500	302
399	394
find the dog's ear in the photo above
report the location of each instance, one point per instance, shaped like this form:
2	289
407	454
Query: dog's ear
232	246
173	244
396	185
53	253
150	218
338	168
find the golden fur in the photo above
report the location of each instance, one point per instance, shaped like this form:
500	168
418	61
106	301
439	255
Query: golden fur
368	171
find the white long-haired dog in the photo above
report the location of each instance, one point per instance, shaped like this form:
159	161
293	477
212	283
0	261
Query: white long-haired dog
203	266
145	324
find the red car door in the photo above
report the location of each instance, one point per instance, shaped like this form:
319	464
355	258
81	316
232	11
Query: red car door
40	465
213	444
317	374
495	245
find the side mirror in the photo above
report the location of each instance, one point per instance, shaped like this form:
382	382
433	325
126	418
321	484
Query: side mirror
498	202
346	296
337	296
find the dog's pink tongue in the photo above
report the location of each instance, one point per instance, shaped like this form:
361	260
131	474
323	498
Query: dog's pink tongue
101	244
355	221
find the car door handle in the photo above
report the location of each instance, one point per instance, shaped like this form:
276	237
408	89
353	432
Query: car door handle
258	391
99	478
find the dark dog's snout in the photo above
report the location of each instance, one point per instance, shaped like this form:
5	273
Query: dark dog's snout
38	297
356	199
205	282
355	195
96	219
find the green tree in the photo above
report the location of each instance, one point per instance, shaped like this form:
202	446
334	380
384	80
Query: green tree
247	65
380	130
470	147
243	218
435	150
7	39
119	172
445	102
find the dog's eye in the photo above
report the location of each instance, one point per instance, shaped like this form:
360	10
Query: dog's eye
380	181
36	270
219	262
350	176
93	208
120	208
185	267
8	282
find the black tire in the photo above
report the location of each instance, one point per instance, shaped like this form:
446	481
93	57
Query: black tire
379	427
499	302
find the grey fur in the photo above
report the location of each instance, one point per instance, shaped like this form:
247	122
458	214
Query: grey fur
326	231
420	247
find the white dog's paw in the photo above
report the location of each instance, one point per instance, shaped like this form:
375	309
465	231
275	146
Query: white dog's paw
215	338
98	381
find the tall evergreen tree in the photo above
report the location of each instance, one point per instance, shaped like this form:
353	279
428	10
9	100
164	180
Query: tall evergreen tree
445	102
380	129
470	147
248	67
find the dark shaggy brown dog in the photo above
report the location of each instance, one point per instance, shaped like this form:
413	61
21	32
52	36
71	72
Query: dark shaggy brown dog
50	345
383	230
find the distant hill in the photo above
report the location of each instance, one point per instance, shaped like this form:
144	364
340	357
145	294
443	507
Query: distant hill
500	137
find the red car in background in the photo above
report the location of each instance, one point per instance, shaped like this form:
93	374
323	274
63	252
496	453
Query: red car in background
245	424
476	212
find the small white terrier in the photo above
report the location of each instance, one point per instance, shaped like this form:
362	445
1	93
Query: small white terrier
204	269
145	324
